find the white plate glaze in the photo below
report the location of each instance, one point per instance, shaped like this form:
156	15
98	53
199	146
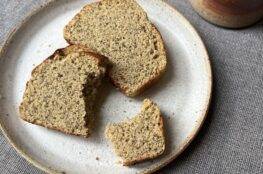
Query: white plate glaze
183	94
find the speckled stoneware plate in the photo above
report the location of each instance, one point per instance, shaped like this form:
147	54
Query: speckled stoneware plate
183	94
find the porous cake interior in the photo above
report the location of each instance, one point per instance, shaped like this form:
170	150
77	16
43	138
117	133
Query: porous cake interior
139	138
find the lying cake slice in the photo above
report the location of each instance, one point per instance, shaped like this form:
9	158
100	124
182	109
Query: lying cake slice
121	31
62	90
140	138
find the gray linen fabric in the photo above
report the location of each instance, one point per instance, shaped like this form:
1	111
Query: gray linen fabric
231	140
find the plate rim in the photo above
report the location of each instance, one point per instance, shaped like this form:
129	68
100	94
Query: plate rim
151	169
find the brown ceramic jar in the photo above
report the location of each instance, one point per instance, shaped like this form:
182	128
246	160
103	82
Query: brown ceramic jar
230	13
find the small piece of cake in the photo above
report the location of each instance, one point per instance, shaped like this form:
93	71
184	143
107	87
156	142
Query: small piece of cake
139	138
61	92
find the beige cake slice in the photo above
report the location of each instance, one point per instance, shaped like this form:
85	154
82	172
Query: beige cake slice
121	31
61	92
139	138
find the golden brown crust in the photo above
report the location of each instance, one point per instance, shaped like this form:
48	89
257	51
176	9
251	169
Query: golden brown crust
102	60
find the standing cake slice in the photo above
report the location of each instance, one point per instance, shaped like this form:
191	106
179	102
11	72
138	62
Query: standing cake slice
121	31
61	92
139	138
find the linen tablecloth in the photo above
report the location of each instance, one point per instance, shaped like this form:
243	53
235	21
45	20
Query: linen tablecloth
231	140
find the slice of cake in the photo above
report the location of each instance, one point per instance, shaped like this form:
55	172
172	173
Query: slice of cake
121	31
61	92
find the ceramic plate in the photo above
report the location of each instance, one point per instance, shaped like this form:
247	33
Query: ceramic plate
183	93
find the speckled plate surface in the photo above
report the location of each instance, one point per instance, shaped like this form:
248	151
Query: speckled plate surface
183	94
